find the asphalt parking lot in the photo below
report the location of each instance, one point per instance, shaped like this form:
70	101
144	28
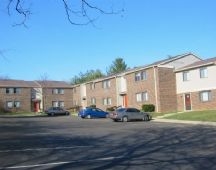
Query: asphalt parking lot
68	142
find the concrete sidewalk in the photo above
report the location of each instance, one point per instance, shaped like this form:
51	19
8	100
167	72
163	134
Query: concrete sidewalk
163	119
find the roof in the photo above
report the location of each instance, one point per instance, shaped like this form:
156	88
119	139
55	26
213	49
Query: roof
202	63
17	83
159	63
54	84
136	69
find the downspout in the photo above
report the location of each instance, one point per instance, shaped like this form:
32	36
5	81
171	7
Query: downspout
155	86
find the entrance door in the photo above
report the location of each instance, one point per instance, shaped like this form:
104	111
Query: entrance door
187	101
36	106
125	101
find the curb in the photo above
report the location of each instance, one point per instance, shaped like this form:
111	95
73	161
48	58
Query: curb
184	121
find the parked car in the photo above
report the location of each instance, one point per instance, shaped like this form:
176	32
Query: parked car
127	114
56	111
91	112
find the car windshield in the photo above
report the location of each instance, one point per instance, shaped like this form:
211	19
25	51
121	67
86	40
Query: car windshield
121	110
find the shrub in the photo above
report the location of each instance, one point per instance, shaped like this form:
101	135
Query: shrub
93	105
148	107
110	109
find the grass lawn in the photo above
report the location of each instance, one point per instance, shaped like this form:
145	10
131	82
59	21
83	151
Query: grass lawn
155	114
209	115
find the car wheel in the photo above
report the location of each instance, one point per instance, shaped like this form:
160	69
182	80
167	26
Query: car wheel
125	119
145	118
89	116
52	114
67	113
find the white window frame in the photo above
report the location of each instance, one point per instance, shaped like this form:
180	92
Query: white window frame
75	102
92	86
61	104
138	97
17	104
203	72
9	104
142	75
185	76
137	76
205	96
142	97
61	91
9	90
17	90
55	91
106	84
58	91
107	101
145	96
55	103
93	100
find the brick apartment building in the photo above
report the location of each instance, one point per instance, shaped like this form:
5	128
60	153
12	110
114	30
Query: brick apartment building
16	95
150	84
196	86
181	83
20	95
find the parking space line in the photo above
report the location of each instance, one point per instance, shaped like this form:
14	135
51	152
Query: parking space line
61	163
43	149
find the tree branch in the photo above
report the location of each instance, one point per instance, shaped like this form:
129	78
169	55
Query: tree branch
71	14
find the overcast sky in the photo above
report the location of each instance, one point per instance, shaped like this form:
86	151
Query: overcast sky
147	31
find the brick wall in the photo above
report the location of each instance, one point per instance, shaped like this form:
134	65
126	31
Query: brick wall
196	103
99	93
76	96
167	90
134	87
49	97
24	97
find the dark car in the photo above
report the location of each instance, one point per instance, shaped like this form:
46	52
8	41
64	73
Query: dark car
56	111
128	114
91	112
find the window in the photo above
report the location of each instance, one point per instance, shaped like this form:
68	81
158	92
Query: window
58	103
61	104
55	104
185	76
205	96
9	90
74	89
75	103
17	90
107	101
106	84
58	91
55	91
13	90
9	104
138	97
140	76
61	91
203	72
16	104
92	86
137	76
93	100
142	97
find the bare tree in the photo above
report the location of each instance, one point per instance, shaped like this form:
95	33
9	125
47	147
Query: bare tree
82	11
